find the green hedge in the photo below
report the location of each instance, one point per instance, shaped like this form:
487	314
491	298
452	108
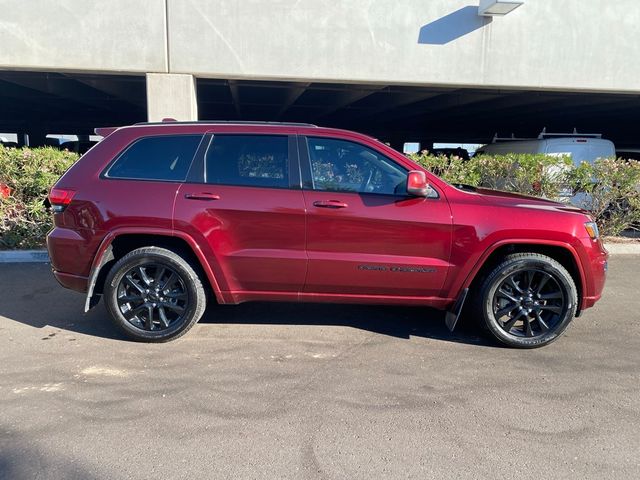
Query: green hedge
612	186
26	175
529	174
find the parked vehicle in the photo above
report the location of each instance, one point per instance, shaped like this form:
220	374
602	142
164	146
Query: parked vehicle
581	147
8	144
160	219
451	152
629	154
77	146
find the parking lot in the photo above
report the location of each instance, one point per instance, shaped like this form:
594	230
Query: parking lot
313	391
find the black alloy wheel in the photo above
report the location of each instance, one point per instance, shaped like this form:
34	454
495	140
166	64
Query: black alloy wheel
154	294
527	301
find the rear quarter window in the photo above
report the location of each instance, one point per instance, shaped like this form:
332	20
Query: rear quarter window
166	157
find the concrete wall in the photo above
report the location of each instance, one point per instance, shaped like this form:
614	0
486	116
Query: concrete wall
545	44
83	35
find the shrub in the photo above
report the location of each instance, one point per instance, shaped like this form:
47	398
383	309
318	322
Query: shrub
609	188
611	191
529	174
26	175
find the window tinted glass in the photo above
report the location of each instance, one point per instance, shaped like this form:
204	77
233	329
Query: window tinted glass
251	160
157	158
339	165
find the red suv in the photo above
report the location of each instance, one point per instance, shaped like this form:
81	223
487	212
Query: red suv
161	218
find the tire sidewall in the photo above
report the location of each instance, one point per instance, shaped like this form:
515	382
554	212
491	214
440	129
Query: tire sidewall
496	280
111	292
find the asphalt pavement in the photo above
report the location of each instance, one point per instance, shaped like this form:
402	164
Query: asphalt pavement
279	391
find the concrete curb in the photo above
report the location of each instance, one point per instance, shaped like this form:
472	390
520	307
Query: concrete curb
623	248
41	256
24	256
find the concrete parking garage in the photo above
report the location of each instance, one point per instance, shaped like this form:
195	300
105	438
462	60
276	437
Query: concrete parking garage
401	71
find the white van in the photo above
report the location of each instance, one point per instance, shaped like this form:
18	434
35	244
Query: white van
580	147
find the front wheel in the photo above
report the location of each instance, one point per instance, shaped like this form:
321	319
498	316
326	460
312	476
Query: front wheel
154	295
528	300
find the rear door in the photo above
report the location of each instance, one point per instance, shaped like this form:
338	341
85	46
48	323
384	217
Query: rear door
243	203
365	235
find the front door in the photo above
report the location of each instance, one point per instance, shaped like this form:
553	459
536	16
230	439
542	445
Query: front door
365	235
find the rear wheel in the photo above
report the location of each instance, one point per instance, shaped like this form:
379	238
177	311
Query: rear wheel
528	300
154	295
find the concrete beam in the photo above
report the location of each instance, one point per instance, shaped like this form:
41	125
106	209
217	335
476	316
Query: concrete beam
293	95
347	98
57	85
235	95
123	90
396	100
171	96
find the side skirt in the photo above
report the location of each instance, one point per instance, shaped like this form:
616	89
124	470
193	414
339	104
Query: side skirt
432	302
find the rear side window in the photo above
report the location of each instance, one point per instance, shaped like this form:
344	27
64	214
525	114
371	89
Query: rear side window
166	157
248	160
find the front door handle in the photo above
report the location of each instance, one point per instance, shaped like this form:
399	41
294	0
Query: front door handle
202	196
330	204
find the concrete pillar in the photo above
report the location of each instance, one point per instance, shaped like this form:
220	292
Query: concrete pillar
171	95
23	139
36	137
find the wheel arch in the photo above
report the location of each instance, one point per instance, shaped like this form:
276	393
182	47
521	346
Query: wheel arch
563	253
119	242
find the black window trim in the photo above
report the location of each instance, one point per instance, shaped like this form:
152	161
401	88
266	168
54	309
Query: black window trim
105	170
198	175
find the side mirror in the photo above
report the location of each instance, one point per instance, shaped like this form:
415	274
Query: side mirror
417	183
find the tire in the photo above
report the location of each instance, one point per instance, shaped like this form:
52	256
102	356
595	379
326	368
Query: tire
154	295
527	301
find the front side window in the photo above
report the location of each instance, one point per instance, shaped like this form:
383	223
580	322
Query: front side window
166	157
340	165
248	160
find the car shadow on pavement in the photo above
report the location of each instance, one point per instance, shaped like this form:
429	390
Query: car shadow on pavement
32	297
395	321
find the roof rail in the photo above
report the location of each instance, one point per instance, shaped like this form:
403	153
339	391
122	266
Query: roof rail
544	134
227	122
512	138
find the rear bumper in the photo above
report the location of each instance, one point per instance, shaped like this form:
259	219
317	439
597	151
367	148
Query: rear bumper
71	253
72	282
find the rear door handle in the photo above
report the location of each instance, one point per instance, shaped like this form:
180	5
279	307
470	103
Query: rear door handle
202	196
330	204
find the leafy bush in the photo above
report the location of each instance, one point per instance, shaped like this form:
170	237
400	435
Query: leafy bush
528	174
611	192
26	175
609	188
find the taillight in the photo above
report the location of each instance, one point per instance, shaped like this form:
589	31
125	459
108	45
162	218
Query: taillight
59	198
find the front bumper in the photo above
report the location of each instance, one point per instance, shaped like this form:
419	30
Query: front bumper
596	273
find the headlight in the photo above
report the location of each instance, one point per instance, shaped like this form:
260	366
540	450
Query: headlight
592	230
